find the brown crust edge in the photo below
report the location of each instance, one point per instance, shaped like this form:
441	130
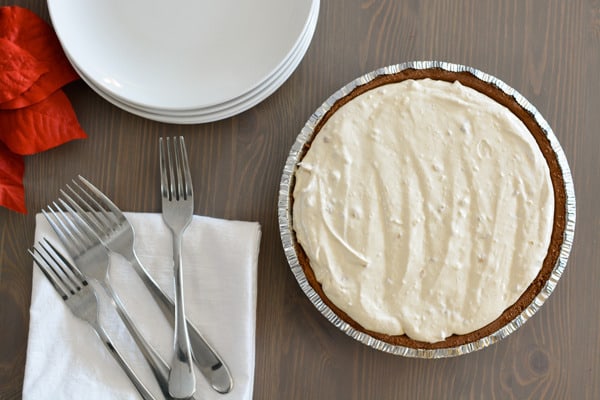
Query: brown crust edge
560	205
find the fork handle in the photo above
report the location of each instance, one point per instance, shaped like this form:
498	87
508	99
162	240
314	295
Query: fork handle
159	367
182	382
144	392
210	364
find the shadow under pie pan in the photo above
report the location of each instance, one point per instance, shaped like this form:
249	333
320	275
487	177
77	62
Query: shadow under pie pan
560	237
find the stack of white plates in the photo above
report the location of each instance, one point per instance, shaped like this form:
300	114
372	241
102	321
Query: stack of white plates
186	61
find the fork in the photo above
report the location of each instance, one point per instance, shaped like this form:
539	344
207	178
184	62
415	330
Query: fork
177	210
69	222
81	299
116	233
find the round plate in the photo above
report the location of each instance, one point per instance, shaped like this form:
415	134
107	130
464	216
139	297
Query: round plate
188	55
220	111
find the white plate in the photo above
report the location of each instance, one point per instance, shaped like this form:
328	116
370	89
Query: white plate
184	56
226	109
285	69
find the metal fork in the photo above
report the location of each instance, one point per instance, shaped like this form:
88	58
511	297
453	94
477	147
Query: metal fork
116	233
177	211
69	221
81	299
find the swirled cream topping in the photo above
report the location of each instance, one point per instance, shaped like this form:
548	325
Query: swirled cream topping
425	208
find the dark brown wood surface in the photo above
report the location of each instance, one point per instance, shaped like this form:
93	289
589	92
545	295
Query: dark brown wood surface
547	50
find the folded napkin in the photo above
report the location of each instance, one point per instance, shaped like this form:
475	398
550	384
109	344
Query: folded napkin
65	358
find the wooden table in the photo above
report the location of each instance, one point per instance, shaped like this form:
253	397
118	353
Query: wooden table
547	50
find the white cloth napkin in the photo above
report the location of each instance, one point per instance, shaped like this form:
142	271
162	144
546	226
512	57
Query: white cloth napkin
65	358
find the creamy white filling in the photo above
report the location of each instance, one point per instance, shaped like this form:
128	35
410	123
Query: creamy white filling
425	208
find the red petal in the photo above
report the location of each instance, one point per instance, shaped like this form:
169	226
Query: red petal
18	70
12	192
24	28
41	126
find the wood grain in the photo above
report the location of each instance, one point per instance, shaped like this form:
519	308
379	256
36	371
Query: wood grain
548	50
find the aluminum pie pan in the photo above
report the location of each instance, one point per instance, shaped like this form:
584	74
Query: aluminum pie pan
288	236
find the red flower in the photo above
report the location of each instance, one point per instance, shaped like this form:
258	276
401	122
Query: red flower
35	114
31	33
12	192
19	70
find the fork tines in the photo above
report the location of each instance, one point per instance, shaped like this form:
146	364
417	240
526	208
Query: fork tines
60	272
176	178
82	215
